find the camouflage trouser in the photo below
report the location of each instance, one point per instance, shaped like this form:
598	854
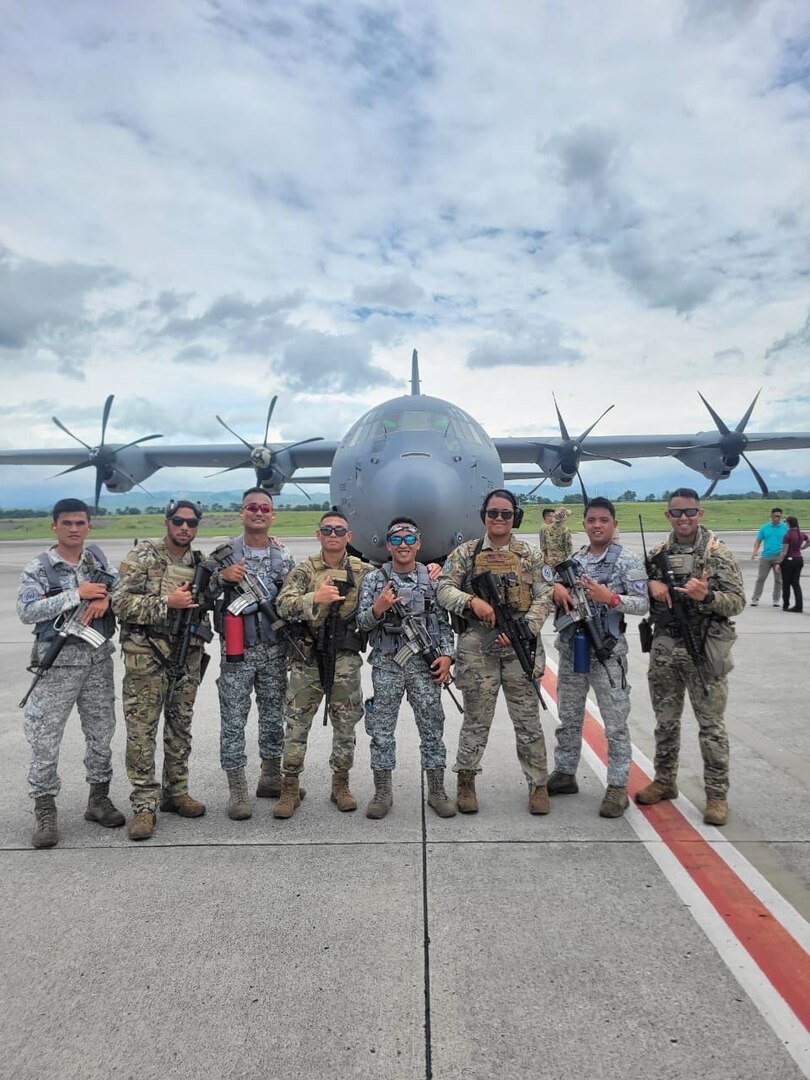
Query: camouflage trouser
90	688
671	672
144	692
614	705
479	675
304	695
390	682
265	670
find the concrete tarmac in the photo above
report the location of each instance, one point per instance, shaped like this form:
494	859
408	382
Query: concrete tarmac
499	945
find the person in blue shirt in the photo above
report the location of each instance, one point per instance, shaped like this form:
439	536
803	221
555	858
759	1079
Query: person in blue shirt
769	538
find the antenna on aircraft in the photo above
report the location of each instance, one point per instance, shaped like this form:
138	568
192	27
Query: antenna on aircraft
415	391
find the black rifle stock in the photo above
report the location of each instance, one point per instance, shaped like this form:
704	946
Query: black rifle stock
585	614
680	604
486	587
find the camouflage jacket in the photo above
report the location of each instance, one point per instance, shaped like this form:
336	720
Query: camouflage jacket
713	557
139	598
296	601
454	585
556	543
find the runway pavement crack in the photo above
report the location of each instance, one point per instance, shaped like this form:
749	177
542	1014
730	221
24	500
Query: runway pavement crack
426	939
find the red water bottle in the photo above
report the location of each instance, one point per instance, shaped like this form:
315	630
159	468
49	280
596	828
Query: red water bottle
234	638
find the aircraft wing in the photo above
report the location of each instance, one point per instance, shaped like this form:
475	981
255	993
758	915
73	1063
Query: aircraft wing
43	457
609	447
225	455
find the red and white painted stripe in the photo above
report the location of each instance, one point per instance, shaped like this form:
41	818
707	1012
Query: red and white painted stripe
761	938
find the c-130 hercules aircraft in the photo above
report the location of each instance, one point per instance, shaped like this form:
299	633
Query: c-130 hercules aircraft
416	456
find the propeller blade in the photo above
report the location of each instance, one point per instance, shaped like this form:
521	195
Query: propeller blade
231	468
604	457
99	477
582	486
305	493
747	417
563	428
303	442
73	468
763	487
587	431
269	415
538	486
76	438
132	480
710	488
136	442
722	427
105	416
239	437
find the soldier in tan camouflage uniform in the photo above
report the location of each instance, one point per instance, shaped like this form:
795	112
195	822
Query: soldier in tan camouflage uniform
330	577
708	577
156	581
481	670
556	542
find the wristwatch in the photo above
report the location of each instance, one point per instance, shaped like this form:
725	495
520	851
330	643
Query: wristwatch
615	600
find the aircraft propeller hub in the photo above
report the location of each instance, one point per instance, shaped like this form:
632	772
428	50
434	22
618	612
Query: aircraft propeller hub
262	457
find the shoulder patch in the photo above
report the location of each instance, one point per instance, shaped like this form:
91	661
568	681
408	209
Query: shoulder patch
30	594
548	574
639	587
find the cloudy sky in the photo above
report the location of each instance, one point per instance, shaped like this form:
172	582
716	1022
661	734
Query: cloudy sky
206	202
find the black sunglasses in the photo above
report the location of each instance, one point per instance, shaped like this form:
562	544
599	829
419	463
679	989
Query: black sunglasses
337	530
507	515
690	511
180	521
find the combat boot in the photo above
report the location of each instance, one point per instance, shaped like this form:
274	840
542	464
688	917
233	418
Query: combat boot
615	802
655	792
465	793
269	785
240	807
562	783
341	796
142	825
100	807
289	800
437	796
45	833
716	812
183	805
383	795
538	800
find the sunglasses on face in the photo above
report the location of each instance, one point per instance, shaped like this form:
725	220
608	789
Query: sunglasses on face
258	508
507	515
179	522
333	530
410	540
690	511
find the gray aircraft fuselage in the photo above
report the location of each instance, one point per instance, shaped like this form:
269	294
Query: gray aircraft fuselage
419	457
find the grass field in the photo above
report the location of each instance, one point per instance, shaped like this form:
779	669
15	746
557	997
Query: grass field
722	515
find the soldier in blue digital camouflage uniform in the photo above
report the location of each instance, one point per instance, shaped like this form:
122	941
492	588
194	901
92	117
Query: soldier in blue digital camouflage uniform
53	585
403	589
616	583
263	669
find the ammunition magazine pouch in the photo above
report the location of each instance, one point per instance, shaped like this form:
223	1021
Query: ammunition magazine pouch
717	645
645	633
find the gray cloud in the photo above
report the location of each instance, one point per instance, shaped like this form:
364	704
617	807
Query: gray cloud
195	354
399	292
542	347
321	363
791	339
733	355
664	278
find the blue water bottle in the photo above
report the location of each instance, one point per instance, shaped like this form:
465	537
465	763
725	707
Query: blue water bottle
582	653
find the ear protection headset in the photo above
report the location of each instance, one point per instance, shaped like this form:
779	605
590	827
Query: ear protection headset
173	505
504	494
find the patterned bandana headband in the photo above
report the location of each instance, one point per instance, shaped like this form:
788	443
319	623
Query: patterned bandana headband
402	526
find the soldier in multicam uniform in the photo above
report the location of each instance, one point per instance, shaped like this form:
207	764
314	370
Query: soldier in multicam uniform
556	542
709	578
616	583
330	577
403	587
480	669
156	581
264	667
53	585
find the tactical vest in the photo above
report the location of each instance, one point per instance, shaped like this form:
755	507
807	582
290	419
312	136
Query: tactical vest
45	631
419	600
256	624
611	621
160	582
348	636
685	565
506	565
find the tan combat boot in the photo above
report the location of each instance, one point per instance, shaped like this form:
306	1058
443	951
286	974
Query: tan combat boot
465	793
289	800
341	796
383	798
240	807
614	803
716	812
142	825
538	800
655	792
100	808
183	805
269	785
45	833
437	796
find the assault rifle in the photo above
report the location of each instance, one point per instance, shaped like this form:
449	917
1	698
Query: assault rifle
420	642
487	587
186	624
68	624
681	605
326	644
585	614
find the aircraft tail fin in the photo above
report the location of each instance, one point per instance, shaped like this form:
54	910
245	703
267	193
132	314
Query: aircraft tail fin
415	381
